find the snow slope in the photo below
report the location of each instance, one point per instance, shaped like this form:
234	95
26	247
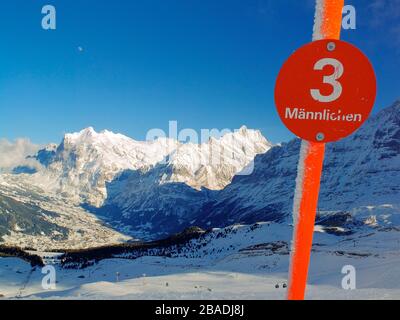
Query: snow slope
240	262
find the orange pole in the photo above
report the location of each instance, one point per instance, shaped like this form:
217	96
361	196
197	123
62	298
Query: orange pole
328	19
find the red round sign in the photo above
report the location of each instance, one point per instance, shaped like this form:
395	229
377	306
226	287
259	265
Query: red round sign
325	90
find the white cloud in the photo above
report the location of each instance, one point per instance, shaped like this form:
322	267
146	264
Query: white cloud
14	154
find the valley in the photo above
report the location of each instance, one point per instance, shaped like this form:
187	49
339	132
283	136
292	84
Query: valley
122	219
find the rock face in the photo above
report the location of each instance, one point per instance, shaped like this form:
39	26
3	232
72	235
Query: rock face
86	161
265	195
361	175
364	170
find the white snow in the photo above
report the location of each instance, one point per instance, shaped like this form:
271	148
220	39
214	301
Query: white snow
318	20
86	161
360	183
229	267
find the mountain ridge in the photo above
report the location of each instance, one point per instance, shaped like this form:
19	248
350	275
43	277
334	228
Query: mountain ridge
85	161
162	187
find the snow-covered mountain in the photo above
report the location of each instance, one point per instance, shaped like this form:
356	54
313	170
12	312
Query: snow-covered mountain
162	192
360	185
81	166
153	189
96	170
361	176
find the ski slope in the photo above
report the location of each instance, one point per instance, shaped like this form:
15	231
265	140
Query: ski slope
239	265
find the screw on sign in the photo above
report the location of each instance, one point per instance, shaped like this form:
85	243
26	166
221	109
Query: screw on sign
324	92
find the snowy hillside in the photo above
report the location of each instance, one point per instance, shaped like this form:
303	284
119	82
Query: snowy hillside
240	262
360	185
164	199
361	176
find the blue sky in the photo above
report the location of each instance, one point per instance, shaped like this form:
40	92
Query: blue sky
204	63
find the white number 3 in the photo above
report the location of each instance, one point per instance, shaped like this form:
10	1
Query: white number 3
332	80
